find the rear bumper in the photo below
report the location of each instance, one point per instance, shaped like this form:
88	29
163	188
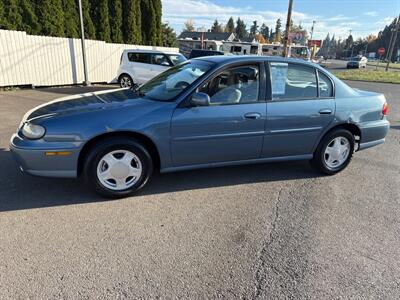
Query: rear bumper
35	161
373	134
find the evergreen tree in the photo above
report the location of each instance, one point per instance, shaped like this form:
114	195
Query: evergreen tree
216	27
103	22
51	16
115	8
158	10
30	20
168	36
264	30
71	19
132	28
254	28
278	31
90	31
241	31
230	26
3	23
13	16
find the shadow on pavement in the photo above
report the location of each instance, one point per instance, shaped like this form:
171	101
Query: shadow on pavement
20	191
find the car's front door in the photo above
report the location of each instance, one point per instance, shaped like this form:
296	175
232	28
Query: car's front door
231	128
300	110
159	63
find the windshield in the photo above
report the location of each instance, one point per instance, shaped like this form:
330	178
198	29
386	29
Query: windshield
357	58
174	81
176	58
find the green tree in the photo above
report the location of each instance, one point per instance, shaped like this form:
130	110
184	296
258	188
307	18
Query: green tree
278	31
230	26
90	32
51	15
216	27
71	19
103	22
241	30
12	15
132	28
115	8
30	20
254	28
168	36
189	25
158	11
264	30
150	34
3	23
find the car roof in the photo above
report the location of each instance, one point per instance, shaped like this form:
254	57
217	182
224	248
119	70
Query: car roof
223	59
150	51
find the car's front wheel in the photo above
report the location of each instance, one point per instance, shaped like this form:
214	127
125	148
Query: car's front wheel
118	167
334	152
125	81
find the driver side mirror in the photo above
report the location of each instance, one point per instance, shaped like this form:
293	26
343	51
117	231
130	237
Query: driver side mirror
165	64
200	99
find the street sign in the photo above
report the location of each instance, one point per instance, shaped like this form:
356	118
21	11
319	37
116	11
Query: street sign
381	51
312	43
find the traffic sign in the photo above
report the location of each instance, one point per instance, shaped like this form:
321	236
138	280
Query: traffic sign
381	51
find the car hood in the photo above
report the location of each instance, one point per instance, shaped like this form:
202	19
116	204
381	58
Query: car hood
82	103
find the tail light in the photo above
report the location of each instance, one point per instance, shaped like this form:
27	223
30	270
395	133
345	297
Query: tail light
385	109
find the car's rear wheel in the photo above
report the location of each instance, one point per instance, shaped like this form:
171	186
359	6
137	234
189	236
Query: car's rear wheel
125	81
118	167
334	152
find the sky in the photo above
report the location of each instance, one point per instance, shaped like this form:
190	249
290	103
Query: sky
337	17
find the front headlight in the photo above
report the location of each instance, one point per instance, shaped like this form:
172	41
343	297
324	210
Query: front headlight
32	131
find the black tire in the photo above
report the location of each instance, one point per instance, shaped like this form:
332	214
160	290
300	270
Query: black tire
125	80
99	150
318	161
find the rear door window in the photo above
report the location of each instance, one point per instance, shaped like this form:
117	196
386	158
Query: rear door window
293	81
325	86
139	57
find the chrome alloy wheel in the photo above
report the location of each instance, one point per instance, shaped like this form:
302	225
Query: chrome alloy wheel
125	81
119	170
337	152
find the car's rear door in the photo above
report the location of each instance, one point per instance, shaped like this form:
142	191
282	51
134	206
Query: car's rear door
301	108
140	64
231	128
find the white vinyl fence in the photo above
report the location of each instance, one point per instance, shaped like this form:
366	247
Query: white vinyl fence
45	61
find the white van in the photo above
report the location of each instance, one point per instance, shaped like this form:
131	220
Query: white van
139	66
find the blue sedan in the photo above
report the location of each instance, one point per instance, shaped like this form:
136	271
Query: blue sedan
206	112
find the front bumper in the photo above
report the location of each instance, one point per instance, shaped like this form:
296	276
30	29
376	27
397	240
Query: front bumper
32	159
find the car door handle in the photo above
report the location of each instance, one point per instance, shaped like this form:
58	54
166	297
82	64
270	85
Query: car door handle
325	111
252	116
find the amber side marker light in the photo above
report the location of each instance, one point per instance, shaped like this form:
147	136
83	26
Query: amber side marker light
59	153
385	109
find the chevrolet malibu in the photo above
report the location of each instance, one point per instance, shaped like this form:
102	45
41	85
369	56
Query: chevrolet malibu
206	112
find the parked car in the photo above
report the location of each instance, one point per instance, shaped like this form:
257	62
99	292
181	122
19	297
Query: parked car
206	112
357	62
201	53
139	66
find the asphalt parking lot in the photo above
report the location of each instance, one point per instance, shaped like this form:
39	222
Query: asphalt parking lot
254	232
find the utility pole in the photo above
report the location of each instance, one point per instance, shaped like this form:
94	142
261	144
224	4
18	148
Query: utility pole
391	47
86	82
311	38
289	18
